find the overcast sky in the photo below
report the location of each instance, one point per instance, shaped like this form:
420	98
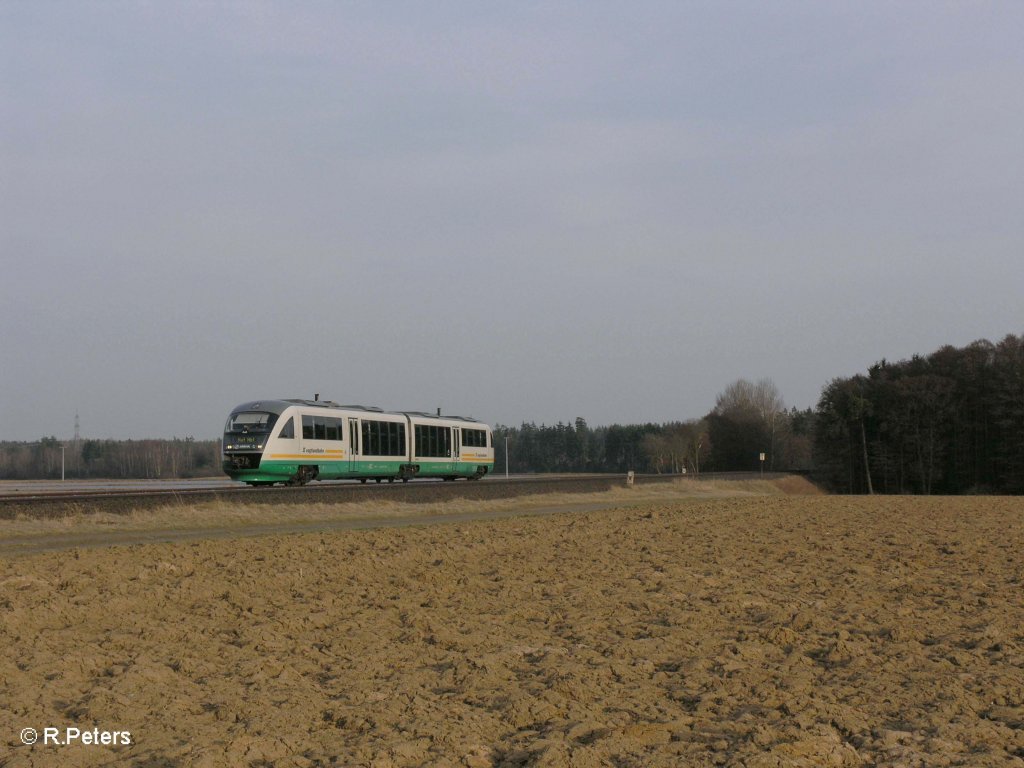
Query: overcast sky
516	211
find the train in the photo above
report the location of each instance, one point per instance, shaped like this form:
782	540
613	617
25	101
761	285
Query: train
294	442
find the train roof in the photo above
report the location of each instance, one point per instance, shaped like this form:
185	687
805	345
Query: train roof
279	406
422	415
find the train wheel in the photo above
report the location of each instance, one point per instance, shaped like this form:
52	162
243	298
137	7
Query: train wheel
304	475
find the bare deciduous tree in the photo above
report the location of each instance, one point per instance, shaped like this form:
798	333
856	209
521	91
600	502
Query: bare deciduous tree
754	403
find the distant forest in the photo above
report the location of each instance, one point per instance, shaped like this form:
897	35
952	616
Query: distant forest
950	422
144	459
748	420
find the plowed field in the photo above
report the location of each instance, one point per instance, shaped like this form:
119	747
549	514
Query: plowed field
757	631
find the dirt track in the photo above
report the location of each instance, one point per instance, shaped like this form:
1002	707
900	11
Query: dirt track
766	631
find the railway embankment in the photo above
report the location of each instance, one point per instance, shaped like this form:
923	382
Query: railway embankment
248	514
52	502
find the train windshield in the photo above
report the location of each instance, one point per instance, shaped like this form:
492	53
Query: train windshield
250	423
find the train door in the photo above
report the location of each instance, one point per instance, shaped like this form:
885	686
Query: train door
456	448
353	445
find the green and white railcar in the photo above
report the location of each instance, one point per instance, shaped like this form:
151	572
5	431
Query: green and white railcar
295	441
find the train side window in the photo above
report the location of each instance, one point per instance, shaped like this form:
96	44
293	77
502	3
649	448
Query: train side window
424	444
288	430
371	438
432	441
474	438
307	427
333	427
384	438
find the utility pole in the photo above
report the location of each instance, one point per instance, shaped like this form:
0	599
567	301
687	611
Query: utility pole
76	448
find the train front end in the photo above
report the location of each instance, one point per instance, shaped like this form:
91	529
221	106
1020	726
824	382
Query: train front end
246	436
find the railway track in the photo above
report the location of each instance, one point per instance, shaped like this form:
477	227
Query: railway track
60	504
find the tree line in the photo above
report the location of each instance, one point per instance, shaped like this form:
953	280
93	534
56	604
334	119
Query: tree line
949	422
149	459
577	447
748	419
